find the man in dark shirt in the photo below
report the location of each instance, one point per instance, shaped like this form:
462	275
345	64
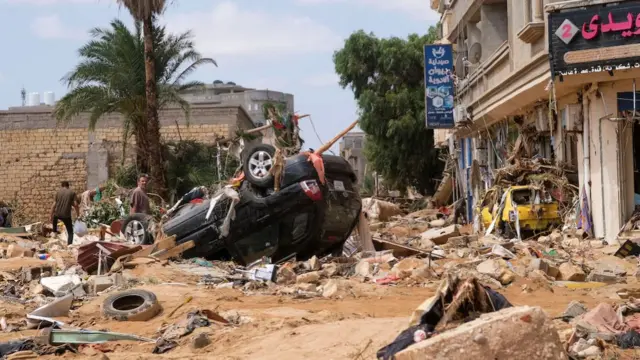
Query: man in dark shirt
65	199
139	198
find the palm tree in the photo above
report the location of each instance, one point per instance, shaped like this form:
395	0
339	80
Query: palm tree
111	78
145	11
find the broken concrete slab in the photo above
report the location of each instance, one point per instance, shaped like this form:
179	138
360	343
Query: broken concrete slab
15	251
514	333
57	308
440	236
497	269
574	309
405	267
61	285
570	272
336	288
462	241
310	277
364	268
98	283
286	276
603	276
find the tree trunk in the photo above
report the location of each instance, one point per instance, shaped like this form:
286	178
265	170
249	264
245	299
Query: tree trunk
142	145
158	180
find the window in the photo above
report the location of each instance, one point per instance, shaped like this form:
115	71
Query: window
348	143
533	28
357	144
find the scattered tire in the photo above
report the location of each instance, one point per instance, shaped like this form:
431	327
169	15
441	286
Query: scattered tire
135	229
257	163
131	305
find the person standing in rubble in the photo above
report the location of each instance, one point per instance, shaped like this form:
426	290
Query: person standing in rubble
65	199
89	196
139	198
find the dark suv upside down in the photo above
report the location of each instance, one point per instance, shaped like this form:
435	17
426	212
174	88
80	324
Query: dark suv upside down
305	217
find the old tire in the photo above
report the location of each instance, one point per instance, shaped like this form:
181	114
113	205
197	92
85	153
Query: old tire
131	305
257	162
135	229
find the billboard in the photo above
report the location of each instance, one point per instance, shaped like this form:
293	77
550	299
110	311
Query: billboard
594	38
438	83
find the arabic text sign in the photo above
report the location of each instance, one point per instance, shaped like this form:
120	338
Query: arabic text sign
611	29
438	79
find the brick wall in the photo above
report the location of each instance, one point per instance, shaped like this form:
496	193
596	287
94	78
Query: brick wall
36	155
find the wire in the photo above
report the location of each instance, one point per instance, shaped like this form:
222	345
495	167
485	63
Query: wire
318	136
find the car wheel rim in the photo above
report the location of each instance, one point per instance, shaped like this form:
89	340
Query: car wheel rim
260	164
134	232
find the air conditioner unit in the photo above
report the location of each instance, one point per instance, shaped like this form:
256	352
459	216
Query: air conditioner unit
541	116
459	114
571	118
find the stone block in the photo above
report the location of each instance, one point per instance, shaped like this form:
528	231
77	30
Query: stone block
310	277
99	282
513	333
570	272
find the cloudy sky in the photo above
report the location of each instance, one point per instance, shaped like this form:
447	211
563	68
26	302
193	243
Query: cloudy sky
284	45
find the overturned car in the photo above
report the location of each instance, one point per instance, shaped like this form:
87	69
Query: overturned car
310	214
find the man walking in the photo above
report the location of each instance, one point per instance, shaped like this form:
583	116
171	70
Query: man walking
139	198
65	199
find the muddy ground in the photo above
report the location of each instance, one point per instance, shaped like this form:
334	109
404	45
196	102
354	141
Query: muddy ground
279	326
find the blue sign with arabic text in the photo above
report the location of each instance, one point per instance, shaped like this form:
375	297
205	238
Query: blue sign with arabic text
438	82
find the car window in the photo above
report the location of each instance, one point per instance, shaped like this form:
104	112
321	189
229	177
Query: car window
258	244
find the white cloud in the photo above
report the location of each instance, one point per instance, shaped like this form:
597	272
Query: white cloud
51	27
49	2
420	9
320	80
229	30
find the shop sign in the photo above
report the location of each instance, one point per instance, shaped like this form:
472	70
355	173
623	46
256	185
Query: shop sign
438	80
594	38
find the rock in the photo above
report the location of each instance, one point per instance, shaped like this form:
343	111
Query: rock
364	268
61	285
335	288
330	270
37	290
423	273
555	236
539	264
15	250
313	264
405	267
378	210
596	244
99	282
571	243
426	244
200	341
310	277
307	287
497	269
462	241
544	239
553	271
580	233
603	276
570	272
437	223
614	265
286	276
513	333
440	236
118	280
574	309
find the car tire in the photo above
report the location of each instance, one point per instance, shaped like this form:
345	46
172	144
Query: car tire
132	226
257	162
131	305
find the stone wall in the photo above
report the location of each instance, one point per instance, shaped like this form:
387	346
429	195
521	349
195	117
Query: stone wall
36	155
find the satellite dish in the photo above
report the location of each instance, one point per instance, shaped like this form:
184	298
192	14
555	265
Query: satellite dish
475	53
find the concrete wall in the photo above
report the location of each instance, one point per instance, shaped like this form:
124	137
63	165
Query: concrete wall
36	155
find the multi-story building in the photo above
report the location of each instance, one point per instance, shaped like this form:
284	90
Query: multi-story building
566	69
352	149
231	94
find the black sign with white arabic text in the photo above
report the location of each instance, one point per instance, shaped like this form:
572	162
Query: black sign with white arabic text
594	38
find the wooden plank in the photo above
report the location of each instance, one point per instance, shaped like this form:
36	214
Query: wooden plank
164	244
175	251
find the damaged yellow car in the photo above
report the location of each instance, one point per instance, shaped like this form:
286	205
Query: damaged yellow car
531	206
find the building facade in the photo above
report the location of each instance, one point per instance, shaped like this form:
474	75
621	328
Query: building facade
231	94
565	70
352	149
37	154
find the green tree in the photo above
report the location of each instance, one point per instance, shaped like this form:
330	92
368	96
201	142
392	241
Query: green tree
110	78
145	11
387	80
